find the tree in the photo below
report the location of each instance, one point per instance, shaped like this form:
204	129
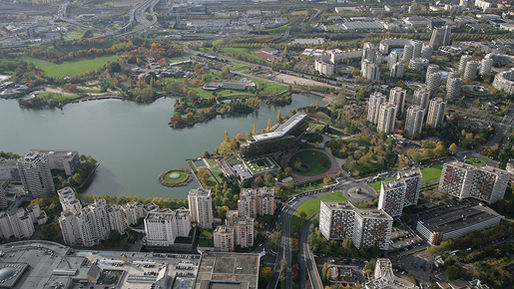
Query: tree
268	126
288	171
254	131
266	273
279	117
226	137
303	215
327	181
324	272
453	148
453	272
259	181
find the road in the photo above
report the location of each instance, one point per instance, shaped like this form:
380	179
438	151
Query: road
284	218
308	267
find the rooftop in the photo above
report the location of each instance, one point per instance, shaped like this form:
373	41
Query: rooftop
160	215
455	219
364	213
283	129
58	153
486	168
199	192
52	264
409	173
242	270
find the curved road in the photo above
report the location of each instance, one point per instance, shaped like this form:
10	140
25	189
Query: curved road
284	218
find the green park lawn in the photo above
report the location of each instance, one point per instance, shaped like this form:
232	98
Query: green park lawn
70	68
245	53
74	35
475	161
313	160
238	66
55	96
312	207
268	87
88	90
431	173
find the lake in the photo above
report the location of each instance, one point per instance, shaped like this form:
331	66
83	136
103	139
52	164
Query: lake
132	142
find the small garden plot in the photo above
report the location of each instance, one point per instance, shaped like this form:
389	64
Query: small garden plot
261	165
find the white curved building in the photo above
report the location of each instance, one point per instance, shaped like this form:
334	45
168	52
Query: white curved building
505	81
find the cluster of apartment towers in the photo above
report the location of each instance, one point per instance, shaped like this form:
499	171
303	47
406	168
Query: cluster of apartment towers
367	227
34	172
89	225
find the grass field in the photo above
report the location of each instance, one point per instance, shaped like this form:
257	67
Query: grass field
238	66
312	207
236	52
314	162
70	68
268	87
182	176
475	161
88	90
74	34
431	173
55	96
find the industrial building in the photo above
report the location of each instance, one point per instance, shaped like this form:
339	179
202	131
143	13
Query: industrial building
447	224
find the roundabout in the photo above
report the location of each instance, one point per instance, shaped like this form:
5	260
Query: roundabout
175	177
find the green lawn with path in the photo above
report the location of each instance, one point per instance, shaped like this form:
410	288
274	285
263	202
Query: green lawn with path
475	161
428	174
70	68
312	207
314	163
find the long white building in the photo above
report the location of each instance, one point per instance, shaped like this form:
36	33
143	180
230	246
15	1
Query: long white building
88	226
